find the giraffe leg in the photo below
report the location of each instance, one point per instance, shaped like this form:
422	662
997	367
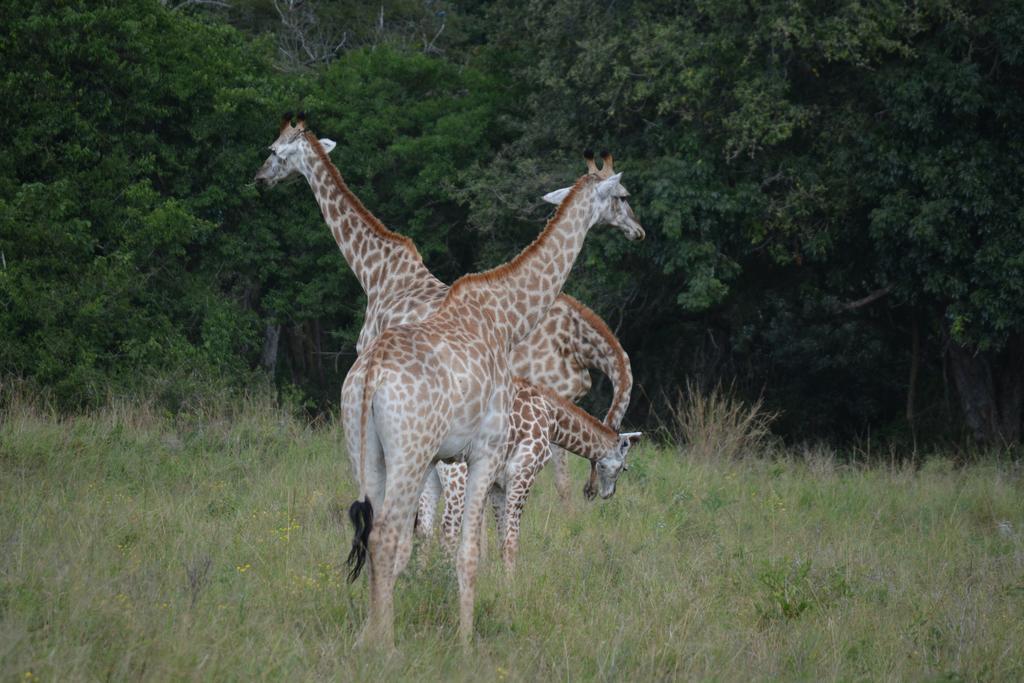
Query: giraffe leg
406	542
590	488
393	525
453	485
561	466
375	480
482	552
519	486
482	471
496	497
427	513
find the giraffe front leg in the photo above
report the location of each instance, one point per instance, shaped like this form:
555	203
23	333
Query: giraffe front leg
496	497
519	486
590	488
561	466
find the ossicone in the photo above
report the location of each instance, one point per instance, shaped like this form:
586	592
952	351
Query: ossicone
607	164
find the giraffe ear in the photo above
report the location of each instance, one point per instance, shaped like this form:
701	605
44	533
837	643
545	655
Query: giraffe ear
556	196
328	144
628	439
610	186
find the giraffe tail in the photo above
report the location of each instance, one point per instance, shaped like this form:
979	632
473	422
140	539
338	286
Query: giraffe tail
360	513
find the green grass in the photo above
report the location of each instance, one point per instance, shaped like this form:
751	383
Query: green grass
139	547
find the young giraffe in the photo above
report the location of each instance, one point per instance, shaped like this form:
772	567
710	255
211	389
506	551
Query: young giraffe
400	289
578	339
441	389
541	418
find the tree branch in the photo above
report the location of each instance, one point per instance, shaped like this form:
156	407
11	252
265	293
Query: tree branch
869	299
189	3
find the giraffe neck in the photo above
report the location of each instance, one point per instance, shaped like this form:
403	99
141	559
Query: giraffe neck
577	431
520	292
599	348
381	260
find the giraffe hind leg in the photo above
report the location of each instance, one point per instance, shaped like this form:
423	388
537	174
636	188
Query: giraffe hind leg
406	542
481	475
392	526
361	512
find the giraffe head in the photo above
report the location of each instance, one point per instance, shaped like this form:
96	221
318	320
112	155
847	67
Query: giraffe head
614	463
289	152
607	196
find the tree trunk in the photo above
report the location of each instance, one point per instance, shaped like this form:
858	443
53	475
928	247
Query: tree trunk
991	389
915	362
1010	385
271	339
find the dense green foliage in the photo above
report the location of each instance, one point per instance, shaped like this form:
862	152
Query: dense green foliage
831	191
169	549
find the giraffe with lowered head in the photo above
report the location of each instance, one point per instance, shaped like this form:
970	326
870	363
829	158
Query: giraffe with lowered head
540	418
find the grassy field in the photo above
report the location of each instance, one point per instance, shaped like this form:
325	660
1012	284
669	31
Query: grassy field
139	547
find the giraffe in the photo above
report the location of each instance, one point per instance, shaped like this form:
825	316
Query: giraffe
578	339
442	389
559	360
540	418
400	288
575	339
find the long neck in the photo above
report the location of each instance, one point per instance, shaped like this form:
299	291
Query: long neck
381	260
521	291
600	349
577	431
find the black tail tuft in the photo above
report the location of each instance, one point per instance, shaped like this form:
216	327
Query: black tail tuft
361	515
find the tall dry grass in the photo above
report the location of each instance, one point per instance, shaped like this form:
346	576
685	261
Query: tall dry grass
717	424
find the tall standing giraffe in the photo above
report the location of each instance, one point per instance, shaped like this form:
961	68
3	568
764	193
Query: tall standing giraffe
400	289
571	339
441	389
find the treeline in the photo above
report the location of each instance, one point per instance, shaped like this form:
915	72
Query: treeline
832	192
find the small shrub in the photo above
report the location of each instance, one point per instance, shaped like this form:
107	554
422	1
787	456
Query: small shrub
719	425
791	588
